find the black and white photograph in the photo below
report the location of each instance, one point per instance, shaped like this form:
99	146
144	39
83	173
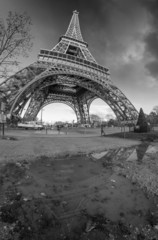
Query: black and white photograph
79	120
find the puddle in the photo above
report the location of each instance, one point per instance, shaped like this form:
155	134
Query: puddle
99	155
114	184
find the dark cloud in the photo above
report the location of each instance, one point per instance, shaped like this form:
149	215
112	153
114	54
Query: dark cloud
151	42
151	39
153	68
113	28
152	7
125	71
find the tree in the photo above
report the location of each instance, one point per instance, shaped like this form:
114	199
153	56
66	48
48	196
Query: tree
142	124
15	40
155	110
109	116
153	116
95	118
112	122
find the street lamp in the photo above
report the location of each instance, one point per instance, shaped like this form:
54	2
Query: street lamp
42	115
2	117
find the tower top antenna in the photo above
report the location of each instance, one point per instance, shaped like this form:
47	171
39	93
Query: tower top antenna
76	12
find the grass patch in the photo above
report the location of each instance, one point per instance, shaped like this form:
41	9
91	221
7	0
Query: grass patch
149	136
9	138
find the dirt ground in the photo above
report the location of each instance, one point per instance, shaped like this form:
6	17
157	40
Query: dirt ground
36	143
100	195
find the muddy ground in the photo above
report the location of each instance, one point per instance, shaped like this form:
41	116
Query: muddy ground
107	194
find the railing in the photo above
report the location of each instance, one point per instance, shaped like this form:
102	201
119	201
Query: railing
67	57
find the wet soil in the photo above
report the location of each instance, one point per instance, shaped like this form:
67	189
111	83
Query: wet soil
102	195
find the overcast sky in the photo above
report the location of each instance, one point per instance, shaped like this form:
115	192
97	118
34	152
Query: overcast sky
122	35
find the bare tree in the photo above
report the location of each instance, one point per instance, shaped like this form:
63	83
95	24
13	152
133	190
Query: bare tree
155	109
15	40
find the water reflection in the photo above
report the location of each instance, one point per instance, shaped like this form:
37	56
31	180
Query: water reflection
114	154
134	153
141	150
96	182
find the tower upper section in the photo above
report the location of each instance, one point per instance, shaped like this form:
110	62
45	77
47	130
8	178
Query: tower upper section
73	30
71	48
72	43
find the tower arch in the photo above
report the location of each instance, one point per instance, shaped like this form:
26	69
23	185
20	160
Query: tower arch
98	106
57	111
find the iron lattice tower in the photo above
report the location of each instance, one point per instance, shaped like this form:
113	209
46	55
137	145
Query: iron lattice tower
68	74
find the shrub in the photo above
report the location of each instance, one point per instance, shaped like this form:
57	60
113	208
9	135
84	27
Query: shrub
142	124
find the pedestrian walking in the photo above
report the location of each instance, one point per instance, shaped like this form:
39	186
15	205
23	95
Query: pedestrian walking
58	129
102	130
66	128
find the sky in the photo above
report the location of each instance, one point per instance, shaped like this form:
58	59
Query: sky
122	35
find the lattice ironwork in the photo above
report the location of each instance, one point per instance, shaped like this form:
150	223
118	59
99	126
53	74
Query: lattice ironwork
73	30
69	74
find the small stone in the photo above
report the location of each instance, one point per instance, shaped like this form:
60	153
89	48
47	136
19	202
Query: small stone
64	203
112	180
90	226
111	236
48	165
18	183
25	199
43	194
18	165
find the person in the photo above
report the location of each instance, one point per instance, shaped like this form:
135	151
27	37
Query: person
58	129
66	128
102	130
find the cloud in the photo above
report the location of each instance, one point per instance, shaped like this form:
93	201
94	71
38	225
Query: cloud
121	23
153	68
151	47
100	108
151	42
151	39
152	7
152	83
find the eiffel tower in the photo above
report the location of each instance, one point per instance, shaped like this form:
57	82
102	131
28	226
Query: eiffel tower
67	74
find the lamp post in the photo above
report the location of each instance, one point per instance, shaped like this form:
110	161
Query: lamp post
3	117
42	115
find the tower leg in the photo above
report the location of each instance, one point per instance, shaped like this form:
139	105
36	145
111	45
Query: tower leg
76	109
34	106
84	111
